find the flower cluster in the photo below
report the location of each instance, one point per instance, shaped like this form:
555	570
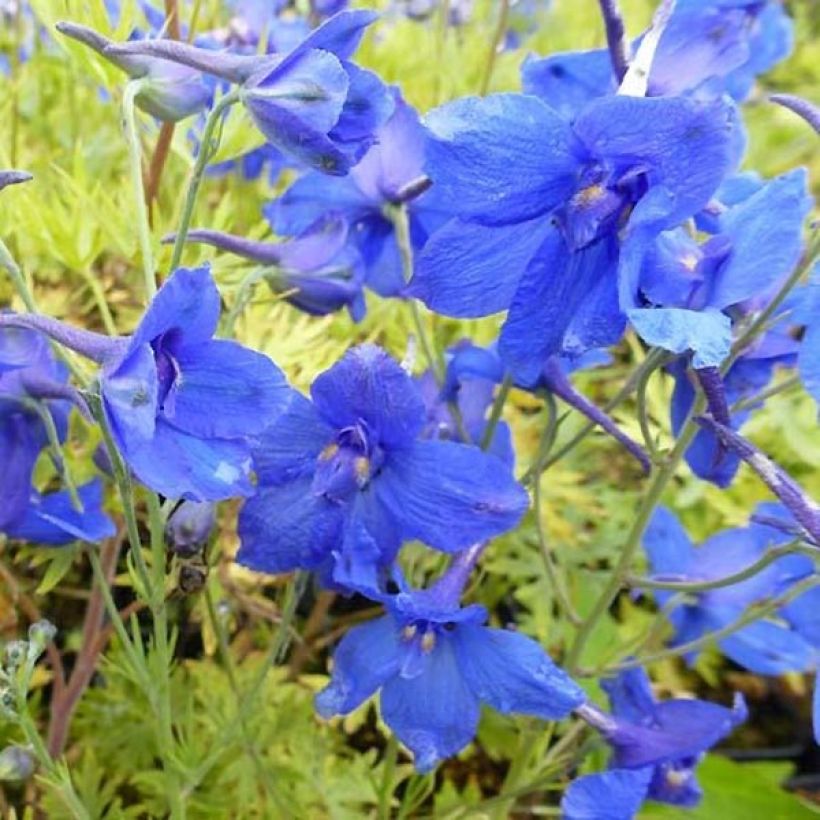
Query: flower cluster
604	199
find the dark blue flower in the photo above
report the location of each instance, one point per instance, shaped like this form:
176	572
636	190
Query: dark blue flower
707	49
384	178
317	271
545	207
435	662
344	479
168	91
766	647
181	405
312	103
663	741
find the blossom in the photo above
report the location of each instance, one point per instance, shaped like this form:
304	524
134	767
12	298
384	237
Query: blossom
546	206
317	271
312	102
13	178
660	743
168	91
181	406
616	794
391	173
708	48
765	646
344	479
434	663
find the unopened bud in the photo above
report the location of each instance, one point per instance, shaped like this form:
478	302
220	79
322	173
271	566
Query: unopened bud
16	763
189	527
16	653
40	633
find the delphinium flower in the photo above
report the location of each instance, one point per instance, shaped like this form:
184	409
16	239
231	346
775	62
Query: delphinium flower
434	662
312	102
33	384
808	360
708	48
391	173
547	210
656	746
459	12
457	409
181	405
168	91
318	271
692	296
344	479
765	646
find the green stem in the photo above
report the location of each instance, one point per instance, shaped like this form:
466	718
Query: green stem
643	415
768	558
492	54
754	613
662	476
496	411
207	149
762	395
135	157
391	756
554	574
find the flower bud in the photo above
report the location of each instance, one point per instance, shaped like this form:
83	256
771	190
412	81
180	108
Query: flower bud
189	527
16	763
16	653
40	633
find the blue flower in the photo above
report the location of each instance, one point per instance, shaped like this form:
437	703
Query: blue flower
168	91
13	178
387	176
469	384
312	103
808	360
765	647
661	742
708	48
545	206
181	406
344	479
689	291
317	271
434	663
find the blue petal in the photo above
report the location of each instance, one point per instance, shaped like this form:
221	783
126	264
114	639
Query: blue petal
707	334
187	303
449	495
20	347
675	783
685	145
816	712
225	391
367	657
767	648
568	81
130	392
501	159
667	545
553	288
512	673
287	527
679	729
179	465
341	34
310	198
614	795
434	713
367	106
52	519
809	356
289	447
469	270
630	695
803	614
19	449
369	385
766	235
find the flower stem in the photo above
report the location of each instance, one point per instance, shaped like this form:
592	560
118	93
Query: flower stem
207	149
495	44
129	117
496	411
